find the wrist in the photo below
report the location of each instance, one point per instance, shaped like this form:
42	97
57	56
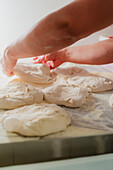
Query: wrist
67	54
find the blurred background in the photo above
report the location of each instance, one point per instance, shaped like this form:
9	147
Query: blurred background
17	16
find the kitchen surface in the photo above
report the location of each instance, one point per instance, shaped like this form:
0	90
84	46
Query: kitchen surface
87	142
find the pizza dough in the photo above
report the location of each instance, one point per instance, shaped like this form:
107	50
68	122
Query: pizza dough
35	73
66	95
17	94
107	75
83	79
69	71
36	120
111	101
91	82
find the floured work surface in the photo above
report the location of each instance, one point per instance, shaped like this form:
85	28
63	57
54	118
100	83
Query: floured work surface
94	118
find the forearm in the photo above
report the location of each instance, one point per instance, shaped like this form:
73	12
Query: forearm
49	35
91	16
64	27
96	54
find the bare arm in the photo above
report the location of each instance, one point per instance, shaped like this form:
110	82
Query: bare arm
96	54
60	29
64	27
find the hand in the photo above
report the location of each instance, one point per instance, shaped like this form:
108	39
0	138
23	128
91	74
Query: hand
53	60
8	63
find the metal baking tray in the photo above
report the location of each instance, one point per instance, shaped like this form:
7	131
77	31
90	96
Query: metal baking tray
54	149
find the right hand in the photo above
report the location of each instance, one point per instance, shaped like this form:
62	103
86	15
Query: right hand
53	60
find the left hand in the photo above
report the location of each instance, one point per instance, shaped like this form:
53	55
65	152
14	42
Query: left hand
8	62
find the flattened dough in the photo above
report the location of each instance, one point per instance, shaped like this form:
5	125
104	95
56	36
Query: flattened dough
69	71
107	75
111	101
67	95
36	120
17	94
91	82
35	73
83	79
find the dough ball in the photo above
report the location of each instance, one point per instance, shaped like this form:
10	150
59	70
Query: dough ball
35	73
84	79
93	83
107	75
111	101
36	120
66	95
17	94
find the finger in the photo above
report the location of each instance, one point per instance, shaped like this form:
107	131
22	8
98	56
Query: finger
9	74
45	58
6	70
39	60
35	58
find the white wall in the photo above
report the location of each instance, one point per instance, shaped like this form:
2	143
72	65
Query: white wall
17	16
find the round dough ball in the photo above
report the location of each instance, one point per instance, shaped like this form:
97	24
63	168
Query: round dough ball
17	94
36	120
66	95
